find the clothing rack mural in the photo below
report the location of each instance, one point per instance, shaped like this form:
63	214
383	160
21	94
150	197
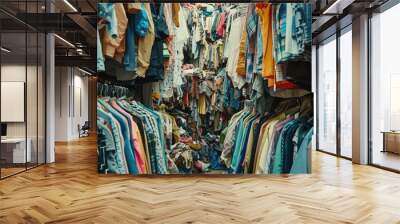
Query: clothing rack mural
222	88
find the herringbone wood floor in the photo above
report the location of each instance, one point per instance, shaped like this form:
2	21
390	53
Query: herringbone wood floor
70	191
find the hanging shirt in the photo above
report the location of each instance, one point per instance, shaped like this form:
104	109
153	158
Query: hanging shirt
257	135
110	42
258	55
168	17
278	161
175	14
241	140
241	64
301	164
237	21
145	45
106	12
109	158
229	142
265	147
292	31
130	57
292	38
120	165
251	29
104	141
250	143
262	137
264	10
221	25
155	72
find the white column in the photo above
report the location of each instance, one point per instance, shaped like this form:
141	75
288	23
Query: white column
314	91
50	101
62	103
360	90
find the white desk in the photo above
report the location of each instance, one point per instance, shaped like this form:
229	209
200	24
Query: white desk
17	145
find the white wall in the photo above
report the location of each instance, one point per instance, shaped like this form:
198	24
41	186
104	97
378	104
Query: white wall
62	81
33	127
80	112
12	73
71	102
16	73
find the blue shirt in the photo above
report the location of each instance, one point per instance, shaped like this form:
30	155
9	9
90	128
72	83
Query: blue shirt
119	159
301	164
130	56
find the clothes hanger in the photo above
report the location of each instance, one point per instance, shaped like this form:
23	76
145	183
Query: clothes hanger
306	109
293	110
281	107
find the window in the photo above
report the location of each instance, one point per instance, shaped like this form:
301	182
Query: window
346	93
327	96
385	89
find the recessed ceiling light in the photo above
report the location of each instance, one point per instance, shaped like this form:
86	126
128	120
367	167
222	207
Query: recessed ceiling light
5	50
84	71
337	7
70	5
64	40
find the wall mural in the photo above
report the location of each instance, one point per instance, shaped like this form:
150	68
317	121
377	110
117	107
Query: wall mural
204	88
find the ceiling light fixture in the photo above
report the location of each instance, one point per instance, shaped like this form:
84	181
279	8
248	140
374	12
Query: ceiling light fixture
337	7
65	41
5	50
331	8
84	71
70	5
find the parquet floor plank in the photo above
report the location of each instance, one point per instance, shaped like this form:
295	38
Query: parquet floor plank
71	191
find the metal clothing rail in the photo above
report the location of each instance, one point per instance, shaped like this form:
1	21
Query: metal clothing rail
111	90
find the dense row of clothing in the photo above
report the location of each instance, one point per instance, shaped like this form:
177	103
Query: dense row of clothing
130	137
151	41
210	76
274	143
135	139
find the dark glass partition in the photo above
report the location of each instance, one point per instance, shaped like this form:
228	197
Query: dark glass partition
22	78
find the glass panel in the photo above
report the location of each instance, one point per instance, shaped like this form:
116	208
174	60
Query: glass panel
41	100
385	84
346	94
327	96
23	82
13	86
32	97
